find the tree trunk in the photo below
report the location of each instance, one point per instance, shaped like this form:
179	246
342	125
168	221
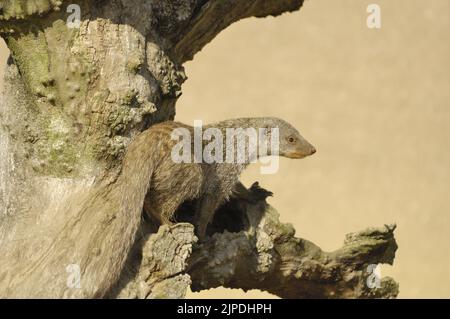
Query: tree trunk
72	176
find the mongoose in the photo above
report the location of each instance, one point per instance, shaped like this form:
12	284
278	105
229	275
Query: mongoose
210	183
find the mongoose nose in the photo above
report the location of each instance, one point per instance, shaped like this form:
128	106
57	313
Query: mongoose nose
313	150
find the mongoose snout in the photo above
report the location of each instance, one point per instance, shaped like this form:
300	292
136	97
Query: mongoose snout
300	148
292	144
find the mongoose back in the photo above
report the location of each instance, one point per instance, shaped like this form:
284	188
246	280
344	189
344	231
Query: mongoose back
211	184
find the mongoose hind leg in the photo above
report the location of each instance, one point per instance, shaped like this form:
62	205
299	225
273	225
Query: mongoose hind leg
160	213
166	220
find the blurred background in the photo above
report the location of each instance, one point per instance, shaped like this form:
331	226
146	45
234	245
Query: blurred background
374	102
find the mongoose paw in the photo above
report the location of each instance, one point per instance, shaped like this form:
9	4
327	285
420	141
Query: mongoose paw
258	193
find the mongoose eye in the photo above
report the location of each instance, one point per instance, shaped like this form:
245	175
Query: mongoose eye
291	139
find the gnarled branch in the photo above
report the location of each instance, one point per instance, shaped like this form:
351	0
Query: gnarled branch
265	255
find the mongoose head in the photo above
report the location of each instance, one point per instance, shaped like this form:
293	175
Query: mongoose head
292	144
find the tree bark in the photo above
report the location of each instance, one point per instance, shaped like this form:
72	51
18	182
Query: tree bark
74	102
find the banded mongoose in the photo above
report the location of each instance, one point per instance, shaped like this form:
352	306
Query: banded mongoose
211	184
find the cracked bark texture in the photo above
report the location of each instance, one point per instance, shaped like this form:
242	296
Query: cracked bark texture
74	101
262	253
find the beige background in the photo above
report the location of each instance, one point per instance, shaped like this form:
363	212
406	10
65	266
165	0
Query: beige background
375	103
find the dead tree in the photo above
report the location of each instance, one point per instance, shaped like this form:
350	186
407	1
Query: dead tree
75	98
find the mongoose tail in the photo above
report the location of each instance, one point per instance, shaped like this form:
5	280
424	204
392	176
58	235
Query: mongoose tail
119	206
101	226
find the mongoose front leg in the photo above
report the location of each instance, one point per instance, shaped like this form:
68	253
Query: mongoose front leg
252	195
204	214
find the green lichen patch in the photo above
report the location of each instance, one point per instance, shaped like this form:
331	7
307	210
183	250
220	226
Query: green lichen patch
134	63
33	63
21	9
128	97
56	154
